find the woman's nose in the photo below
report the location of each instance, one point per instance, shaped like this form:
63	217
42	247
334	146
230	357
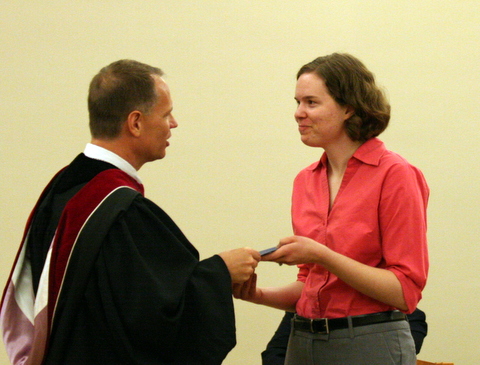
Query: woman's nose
299	112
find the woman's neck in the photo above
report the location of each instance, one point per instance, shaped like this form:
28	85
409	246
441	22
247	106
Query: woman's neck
338	156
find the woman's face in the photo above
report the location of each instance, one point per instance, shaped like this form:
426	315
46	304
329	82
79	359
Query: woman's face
319	117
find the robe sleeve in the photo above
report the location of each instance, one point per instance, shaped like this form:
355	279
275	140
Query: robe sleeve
159	301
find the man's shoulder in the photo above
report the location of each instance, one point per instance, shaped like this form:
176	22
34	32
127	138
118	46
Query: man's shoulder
102	186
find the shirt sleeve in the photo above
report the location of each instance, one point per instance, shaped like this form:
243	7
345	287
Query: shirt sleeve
403	225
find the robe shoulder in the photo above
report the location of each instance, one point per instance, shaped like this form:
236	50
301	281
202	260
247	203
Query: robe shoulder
150	299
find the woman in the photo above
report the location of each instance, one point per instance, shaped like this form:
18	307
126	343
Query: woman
359	219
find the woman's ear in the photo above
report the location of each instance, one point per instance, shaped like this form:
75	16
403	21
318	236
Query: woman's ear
349	111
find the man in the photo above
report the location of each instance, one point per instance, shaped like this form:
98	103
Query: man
103	275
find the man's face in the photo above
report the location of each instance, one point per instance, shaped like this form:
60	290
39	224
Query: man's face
157	124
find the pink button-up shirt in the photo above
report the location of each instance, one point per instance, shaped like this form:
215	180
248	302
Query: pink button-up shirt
378	218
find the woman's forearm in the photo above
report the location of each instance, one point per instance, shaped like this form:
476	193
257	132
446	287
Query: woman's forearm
377	283
284	298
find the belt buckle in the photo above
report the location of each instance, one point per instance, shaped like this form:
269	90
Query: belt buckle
325	321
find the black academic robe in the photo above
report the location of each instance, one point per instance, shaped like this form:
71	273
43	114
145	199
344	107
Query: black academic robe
130	288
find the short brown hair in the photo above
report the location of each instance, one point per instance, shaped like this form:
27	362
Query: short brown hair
350	83
116	91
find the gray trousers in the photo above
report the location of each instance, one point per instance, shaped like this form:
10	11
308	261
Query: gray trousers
388	343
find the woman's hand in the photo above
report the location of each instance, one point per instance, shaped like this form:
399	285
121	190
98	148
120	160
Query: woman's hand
296	250
284	298
248	290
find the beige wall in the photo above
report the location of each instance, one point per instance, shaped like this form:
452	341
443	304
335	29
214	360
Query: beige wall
228	174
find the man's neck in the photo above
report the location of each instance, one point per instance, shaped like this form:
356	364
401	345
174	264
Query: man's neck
120	148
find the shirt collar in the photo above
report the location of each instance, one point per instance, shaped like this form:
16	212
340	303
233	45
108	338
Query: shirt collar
369	152
102	154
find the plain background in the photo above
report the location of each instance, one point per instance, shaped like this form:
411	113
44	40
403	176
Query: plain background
228	173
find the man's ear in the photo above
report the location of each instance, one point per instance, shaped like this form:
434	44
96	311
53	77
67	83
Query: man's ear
134	123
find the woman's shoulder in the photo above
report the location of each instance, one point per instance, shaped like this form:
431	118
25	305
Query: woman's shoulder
399	170
394	161
308	171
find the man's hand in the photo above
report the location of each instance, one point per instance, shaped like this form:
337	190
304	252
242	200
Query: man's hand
241	263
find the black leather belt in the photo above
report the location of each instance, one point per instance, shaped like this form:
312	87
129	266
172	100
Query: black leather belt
325	325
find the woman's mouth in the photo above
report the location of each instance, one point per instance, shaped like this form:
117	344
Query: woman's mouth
303	128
